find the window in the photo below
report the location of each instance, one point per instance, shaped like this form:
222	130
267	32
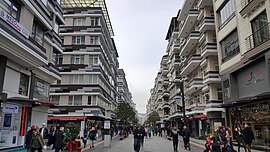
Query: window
12	7
54	58
76	79
230	46
94	21
56	27
226	13
55	99
59	59
205	97
75	100
94	40
93	79
260	29
23	87
77	40
41	89
89	100
38	33
93	60
79	21
77	59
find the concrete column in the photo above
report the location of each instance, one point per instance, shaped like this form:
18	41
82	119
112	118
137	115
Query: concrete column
107	127
3	64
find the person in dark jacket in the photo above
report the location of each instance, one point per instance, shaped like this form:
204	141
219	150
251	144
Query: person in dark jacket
215	147
44	131
248	136
228	145
186	137
174	135
143	134
36	142
137	138
92	136
59	139
239	137
29	137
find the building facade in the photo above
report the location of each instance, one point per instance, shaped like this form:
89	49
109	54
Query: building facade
242	29
124	95
88	66
29	46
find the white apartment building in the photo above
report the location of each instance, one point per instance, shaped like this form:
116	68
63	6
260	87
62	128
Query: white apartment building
29	46
243	39
88	66
124	95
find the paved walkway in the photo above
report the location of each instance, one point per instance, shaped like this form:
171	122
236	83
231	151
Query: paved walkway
154	144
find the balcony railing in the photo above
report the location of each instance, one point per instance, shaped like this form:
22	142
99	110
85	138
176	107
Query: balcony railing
258	37
244	3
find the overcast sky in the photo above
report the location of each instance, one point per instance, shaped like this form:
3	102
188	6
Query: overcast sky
140	28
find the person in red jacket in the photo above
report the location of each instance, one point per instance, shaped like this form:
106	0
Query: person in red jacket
208	143
72	146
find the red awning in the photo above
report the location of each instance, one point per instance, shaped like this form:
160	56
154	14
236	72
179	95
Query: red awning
66	117
189	118
200	116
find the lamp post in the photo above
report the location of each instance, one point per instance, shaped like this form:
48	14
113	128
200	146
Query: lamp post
183	100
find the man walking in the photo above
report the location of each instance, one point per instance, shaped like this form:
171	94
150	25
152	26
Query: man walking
248	136
44	131
137	138
59	139
174	134
186	135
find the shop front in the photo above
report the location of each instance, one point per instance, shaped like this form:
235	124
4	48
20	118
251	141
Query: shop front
258	114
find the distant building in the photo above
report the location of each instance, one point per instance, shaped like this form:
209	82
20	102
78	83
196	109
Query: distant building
141	118
88	66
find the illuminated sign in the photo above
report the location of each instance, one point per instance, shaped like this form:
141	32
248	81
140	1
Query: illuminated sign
13	23
23	121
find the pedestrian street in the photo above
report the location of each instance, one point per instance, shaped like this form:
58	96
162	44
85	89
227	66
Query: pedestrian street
154	144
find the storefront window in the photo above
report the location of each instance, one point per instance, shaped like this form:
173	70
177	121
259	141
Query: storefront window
259	117
10	121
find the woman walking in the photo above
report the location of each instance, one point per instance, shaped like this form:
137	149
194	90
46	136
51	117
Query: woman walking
37	142
174	135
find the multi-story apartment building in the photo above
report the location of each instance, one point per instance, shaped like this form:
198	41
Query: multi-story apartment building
88	66
242	28
124	95
200	70
29	44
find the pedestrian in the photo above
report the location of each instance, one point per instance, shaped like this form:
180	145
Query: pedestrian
44	132
174	134
186	137
149	132
207	143
111	132
239	138
73	145
215	147
59	139
248	136
29	137
142	130
137	138
37	142
92	137
51	137
85	133
228	145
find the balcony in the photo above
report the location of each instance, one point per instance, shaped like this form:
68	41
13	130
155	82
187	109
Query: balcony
165	83
176	46
165	71
190	43
248	6
187	5
166	94
207	24
194	85
258	42
209	49
191	64
211	77
176	62
204	3
204	62
189	23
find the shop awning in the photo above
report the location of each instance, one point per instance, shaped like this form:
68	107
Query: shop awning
30	101
200	116
66	118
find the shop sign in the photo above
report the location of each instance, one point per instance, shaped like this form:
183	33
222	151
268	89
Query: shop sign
13	23
9	108
107	124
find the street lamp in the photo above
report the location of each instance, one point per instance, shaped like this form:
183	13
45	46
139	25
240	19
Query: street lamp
181	87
